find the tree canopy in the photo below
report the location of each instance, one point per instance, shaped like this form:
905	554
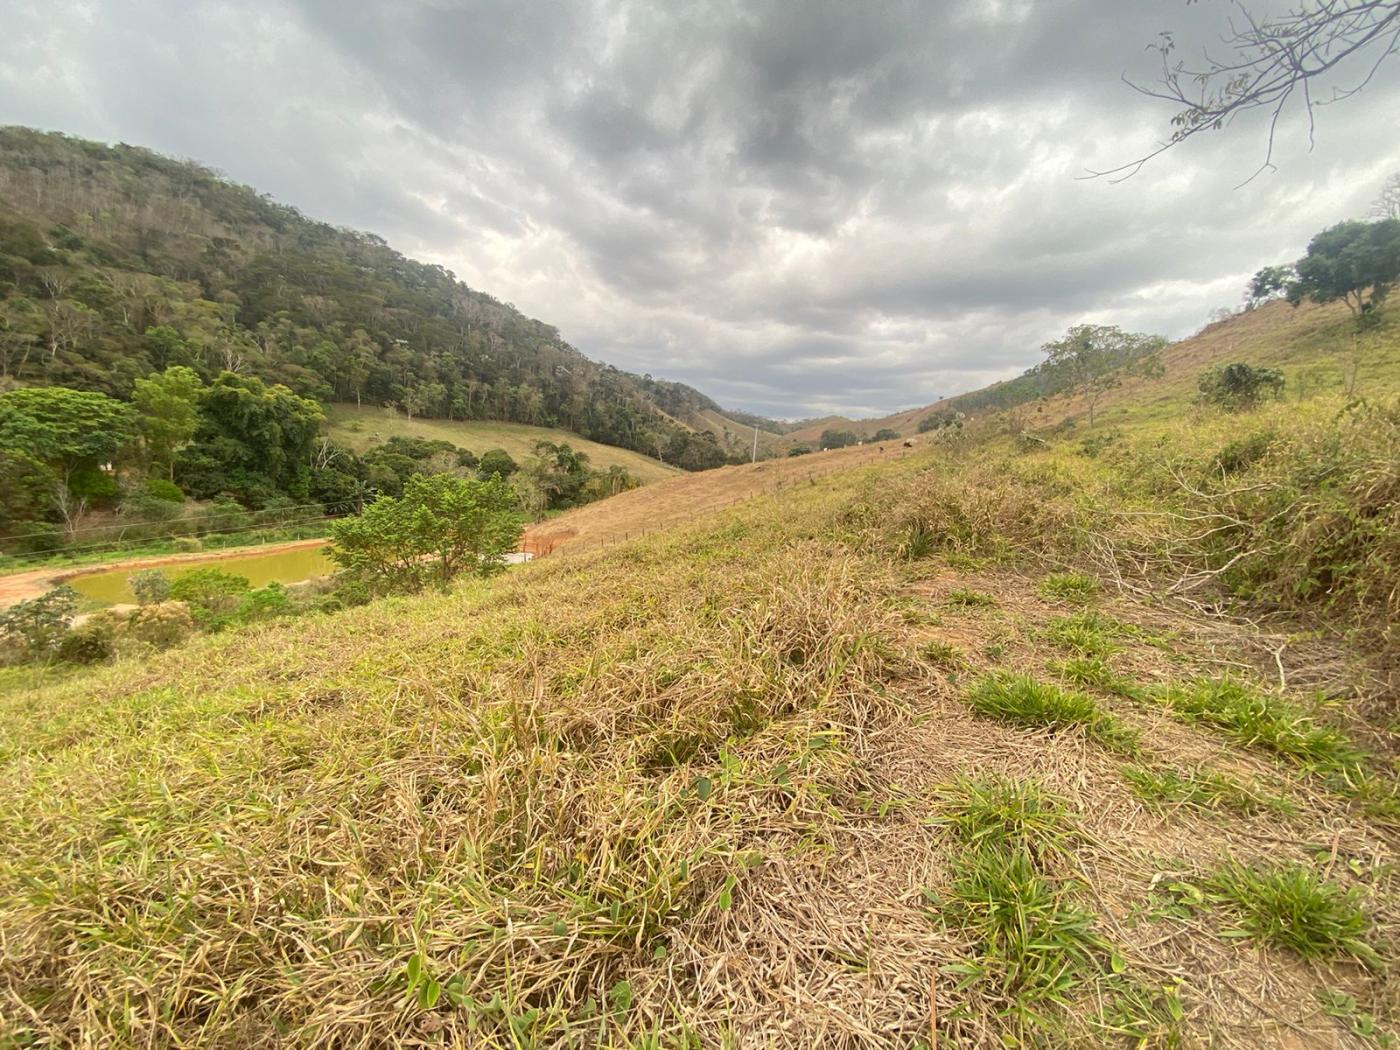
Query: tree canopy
1096	358
440	527
1356	262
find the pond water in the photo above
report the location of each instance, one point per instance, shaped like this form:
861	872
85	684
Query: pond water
286	566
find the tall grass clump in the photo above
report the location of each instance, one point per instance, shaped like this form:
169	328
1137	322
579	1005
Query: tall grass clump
976	510
1290	906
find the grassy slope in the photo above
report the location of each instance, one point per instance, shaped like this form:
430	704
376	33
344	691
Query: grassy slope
1311	342
701	788
361	428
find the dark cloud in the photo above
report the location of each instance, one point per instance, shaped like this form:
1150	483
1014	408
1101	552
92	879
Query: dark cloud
799	208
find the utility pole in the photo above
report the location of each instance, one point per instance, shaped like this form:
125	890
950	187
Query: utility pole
755	444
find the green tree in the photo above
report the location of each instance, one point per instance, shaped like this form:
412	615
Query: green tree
1093	359
26	488
169	405
441	526
1272	282
496	462
64	429
74	434
832	438
253	439
1356	262
35	629
885	434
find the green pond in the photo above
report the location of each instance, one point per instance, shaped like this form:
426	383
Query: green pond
288	566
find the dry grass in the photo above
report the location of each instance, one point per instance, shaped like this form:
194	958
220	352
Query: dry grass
707	788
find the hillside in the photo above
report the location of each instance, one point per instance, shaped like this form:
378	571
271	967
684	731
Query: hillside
363	428
884	756
116	262
1312	343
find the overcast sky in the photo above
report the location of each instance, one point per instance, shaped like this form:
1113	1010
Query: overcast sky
799	208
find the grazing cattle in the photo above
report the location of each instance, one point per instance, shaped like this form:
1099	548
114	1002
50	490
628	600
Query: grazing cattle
909	444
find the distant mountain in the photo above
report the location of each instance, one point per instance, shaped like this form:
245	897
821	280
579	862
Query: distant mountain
116	262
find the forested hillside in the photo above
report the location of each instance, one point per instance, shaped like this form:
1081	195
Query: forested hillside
116	262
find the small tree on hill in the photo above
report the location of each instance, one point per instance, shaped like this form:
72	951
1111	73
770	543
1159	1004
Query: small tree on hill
1240	386
1356	262
1096	358
440	527
496	462
838	438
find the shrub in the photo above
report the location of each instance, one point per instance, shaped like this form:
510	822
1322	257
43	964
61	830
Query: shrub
1240	386
188	544
150	586
159	488
89	643
441	526
147	508
38	537
1243	453
1094	444
212	595
838	439
160	626
799	450
265	603
283	510
496	462
224	514
1319	523
35	629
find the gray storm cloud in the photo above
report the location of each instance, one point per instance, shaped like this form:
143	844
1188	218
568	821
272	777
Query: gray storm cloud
799	208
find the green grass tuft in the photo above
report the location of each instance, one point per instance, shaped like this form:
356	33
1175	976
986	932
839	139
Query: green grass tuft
1290	906
1033	944
1074	588
1021	700
943	654
1093	672
1002	812
965	597
1262	720
1161	786
1083	634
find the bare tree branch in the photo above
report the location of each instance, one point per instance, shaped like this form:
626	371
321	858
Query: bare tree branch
1267	63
